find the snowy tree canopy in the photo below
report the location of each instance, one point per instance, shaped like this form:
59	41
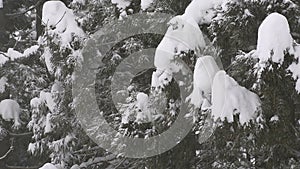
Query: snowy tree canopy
204	73
245	116
60	20
229	99
274	38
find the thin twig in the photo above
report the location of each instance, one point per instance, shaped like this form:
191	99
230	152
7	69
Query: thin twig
11	148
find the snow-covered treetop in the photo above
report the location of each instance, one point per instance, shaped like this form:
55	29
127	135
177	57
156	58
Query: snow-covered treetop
204	73
146	4
60	20
229	99
274	38
121	4
202	11
183	34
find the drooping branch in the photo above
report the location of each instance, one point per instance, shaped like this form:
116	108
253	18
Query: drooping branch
11	148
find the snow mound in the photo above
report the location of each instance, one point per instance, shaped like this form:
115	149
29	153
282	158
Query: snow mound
142	108
10	110
274	38
183	34
121	4
48	166
60	20
13	54
146	4
46	97
202	11
229	99
274	118
204	73
31	50
35	102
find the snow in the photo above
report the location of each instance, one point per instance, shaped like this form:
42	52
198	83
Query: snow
46	97
47	56
3	82
146	4
298	85
13	54
183	34
123	15
142	107
10	110
79	2
60	20
3	59
202	11
35	102
229	99
274	118
48	127
294	68
274	38
48	166
31	50
204	73
31	148
57	87
121	4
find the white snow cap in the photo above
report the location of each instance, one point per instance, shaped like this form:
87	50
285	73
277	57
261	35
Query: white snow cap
142	106
202	11
183	34
48	166
229	98
146	4
13	54
35	102
204	73
60	20
10	110
47	98
121	4
274	38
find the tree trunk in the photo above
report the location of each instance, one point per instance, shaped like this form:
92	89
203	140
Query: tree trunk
38	18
